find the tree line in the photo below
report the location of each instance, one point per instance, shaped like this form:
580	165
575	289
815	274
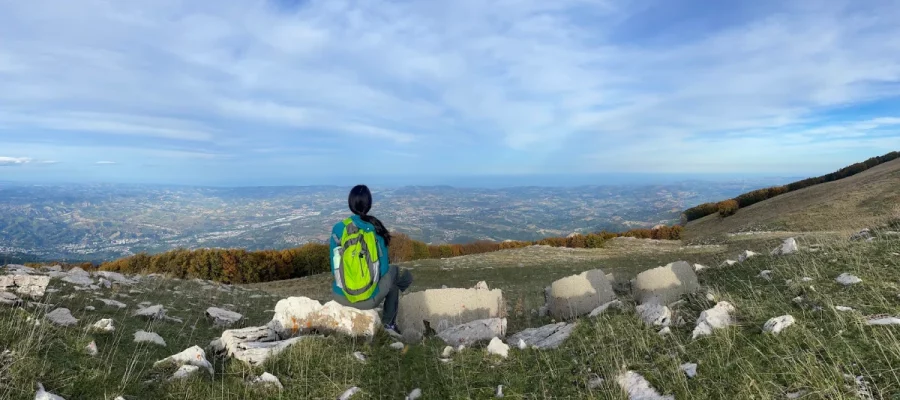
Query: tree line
730	207
242	266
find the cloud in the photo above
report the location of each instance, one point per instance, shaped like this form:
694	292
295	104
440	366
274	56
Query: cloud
7	161
105	162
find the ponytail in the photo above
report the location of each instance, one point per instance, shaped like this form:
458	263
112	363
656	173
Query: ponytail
380	230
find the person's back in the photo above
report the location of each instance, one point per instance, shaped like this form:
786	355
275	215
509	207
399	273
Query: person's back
362	275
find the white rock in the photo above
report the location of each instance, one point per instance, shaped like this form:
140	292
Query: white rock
499	393
359	356
699	267
474	332
25	285
602	309
728	263
90	308
115	277
255	344
349	393
690	369
796	395
497	347
193	355
91	348
787	247
746	255
806	279
883	320
710	297
778	324
222	317
104	325
766	274
448	351
864	234
638	388
843	308
397	346
112	303
577	295
61	317
594	382
105	283
415	394
185	371
144	304
717	317
152	312
847	279
9	299
148	337
267	379
80	280
654	314
545	337
481	286
20	269
665	331
44	395
298	315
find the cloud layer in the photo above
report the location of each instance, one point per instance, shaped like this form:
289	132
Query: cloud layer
237	88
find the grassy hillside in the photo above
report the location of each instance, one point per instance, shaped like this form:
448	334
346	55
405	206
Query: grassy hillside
845	205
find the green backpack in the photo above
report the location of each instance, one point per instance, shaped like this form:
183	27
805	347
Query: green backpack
360	265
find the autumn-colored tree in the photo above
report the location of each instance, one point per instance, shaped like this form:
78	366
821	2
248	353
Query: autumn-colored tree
728	208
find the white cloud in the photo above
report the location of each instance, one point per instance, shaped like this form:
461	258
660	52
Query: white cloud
105	162
6	161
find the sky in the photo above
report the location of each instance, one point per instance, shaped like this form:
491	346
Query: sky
291	92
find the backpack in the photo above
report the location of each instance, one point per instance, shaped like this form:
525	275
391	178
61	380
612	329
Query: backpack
360	264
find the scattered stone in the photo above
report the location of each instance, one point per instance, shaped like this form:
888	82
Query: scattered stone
415	394
91	348
104	325
699	267
144	304
497	347
654	314
105	283
456	306
789	246
638	388
843	308
882	320
499	393
602	309
185	371
545	337
665	284
62	317
690	369
222	317
766	274
665	331
296	315
360	356
796	395
90	308
728	263
482	285
149	337
864	234
717	317
45	395
349	393
448	351
397	346
267	379
255	344
112	303
152	312
474	332
806	279
847	279
746	255
193	355
778	324
78	279
115	277
9	299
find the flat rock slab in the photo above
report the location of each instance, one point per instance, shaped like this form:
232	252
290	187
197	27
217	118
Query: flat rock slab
665	284
115	277
455	306
112	303
579	294
61	317
152	312
78	280
25	285
545	337
847	279
254	345
299	315
149	337
474	332
223	317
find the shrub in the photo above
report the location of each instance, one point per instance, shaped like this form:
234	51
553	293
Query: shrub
728	207
695	213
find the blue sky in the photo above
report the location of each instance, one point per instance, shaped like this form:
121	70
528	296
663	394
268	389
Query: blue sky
291	92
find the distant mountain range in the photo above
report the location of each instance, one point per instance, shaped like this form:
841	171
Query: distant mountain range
99	222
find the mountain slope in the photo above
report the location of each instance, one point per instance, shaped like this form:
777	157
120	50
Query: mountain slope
851	203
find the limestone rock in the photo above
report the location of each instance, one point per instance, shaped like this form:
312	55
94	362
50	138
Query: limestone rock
497	347
699	267
61	317
456	306
654	314
882	320
25	285
105	283
267	379
690	369
638	388
789	246
579	294
254	345
728	263
415	394
349	393
90	308
847	279
843	308
152	312
666	284
448	351
19	269
222	317
864	234
474	332
778	324
115	277
185	371
602	309
545	337
746	255
766	274
397	346
481	286
42	394
77	271
91	348
104	325
193	355
9	299
717	317
112	303
298	315
665	331
149	337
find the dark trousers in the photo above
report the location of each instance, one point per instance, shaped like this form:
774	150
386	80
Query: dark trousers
389	287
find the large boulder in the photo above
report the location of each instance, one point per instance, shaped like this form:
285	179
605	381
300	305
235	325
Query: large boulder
26	285
579	294
298	315
474	332
666	284
545	337
445	308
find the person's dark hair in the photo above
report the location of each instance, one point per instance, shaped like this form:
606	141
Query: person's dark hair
360	201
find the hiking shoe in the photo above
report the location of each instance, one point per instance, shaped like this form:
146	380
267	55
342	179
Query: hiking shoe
392	330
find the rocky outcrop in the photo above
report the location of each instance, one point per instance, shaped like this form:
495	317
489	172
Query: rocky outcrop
665	284
25	285
222	317
474	332
254	345
299	315
545	337
579	294
445	308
